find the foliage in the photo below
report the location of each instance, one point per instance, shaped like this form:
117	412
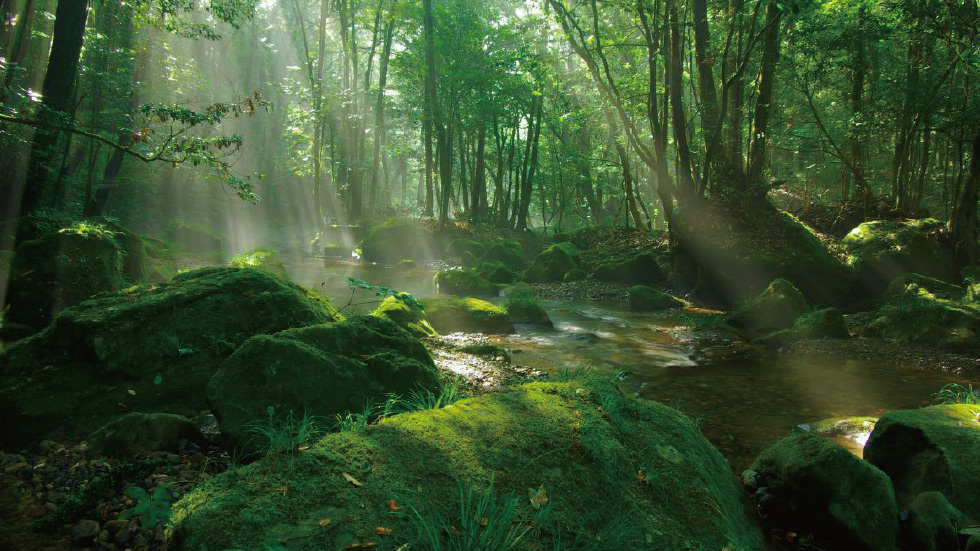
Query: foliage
955	393
151	509
284	434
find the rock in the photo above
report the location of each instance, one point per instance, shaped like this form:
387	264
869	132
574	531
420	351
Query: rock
935	287
458	247
398	239
408	313
775	308
161	341
575	274
85	532
463	281
641	269
973	544
627	457
930	449
467	315
934	524
134	434
524	307
61	269
846	502
970	274
319	371
648	299
827	323
194	237
261	259
495	271
552	264
918	317
882	250
507	251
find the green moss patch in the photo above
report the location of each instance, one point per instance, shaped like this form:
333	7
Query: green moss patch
467	315
883	250
162	342
409	314
917	316
581	461
507	251
320	371
524	306
775	308
930	449
458	247
935	287
261	259
463	281
825	323
552	263
398	239
194	237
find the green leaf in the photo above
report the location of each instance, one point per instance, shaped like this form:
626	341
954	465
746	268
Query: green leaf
158	379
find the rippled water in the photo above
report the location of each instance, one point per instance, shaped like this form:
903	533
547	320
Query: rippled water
743	404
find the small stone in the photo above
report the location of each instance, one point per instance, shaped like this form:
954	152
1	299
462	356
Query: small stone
85	532
37	511
51	507
973	544
126	535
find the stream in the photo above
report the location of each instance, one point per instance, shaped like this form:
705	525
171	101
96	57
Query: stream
743	398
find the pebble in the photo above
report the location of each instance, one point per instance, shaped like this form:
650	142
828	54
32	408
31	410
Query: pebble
85	532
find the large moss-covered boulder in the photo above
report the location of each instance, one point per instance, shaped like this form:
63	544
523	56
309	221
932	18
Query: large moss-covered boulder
551	264
934	524
824	323
61	269
408	313
582	461
319	371
496	272
775	308
641	269
194	237
523	306
149	348
463	281
134	434
882	250
508	251
918	317
267	260
930	449
734	248
824	489
648	299
467	315
399	239
935	287
459	247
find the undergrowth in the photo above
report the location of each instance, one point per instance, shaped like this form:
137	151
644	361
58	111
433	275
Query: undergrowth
954	393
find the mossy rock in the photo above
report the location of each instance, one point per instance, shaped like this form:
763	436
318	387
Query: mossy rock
458	247
575	274
523	306
934	524
194	237
335	250
825	323
641	269
883	250
135	434
918	317
507	251
732	250
551	264
930	449
775	308
970	274
61	269
408	314
467	315
846	502
935	287
162	341
585	462
648	299
398	239
320	371
463	281
496	272
266	260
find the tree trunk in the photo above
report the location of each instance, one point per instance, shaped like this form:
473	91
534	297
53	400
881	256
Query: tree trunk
963	222
379	111
58	91
767	80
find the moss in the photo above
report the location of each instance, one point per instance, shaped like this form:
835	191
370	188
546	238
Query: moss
918	317
575	274
320	371
596	455
934	524
458	247
62	269
847	503
194	237
935	287
775	308
178	332
134	434
409	315
826	323
398	239
467	315
463	281
524	307
930	449
882	250
261	259
484	349
648	299
495	272
551	264
508	251
640	269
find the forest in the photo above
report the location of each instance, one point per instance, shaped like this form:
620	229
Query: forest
491	275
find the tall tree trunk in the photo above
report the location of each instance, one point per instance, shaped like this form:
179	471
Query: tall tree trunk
480	175
758	149
531	159
963	222
685	186
432	118
379	111
58	91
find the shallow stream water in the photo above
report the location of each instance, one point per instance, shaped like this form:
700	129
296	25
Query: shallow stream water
744	398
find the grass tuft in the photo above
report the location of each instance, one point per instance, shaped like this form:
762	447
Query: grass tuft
954	393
